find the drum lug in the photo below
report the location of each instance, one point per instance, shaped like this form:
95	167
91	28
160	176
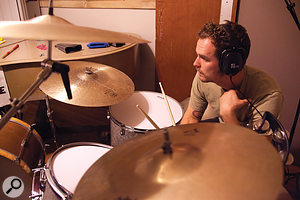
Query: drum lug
38	184
36	196
42	175
24	144
108	115
122	132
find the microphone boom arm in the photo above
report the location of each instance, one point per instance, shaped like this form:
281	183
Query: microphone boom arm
48	67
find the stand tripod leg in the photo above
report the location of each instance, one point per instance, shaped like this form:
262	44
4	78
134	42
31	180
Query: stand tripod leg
51	122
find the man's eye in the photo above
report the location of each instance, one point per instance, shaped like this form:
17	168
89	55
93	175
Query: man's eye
204	58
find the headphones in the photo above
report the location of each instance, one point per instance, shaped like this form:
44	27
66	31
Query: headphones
232	59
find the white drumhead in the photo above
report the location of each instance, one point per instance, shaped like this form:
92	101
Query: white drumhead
153	104
70	164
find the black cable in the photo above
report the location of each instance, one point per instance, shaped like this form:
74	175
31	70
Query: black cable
295	123
245	97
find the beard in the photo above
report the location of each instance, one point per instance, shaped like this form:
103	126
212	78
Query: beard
202	76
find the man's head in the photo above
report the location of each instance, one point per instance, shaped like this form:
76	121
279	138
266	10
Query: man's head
231	42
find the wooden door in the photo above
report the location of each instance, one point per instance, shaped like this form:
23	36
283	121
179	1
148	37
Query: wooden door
177	25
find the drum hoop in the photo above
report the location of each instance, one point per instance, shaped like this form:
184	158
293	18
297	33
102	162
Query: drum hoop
53	182
127	128
13	157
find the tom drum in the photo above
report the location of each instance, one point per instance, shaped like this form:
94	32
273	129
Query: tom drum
126	121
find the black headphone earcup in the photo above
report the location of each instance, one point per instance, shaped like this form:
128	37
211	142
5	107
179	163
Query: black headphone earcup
231	61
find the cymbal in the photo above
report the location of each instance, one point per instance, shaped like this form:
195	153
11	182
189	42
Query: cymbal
92	85
209	161
48	27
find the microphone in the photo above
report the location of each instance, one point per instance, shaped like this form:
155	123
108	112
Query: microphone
63	69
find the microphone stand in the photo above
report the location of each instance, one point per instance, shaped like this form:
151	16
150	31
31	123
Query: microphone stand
49	66
17	104
290	6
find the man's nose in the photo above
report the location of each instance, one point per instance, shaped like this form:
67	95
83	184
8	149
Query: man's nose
197	62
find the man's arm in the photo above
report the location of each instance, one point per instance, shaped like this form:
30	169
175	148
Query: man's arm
229	104
190	116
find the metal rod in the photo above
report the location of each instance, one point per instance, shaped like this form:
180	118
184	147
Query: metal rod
49	49
18	103
50	119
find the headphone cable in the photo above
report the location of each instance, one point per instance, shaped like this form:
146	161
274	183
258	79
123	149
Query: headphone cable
251	105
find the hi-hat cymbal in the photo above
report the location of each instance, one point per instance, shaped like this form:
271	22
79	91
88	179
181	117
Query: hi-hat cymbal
92	85
209	161
48	27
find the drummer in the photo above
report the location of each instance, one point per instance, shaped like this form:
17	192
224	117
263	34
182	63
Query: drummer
224	87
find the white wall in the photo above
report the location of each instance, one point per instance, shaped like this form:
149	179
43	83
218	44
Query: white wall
141	22
136	21
9	11
276	48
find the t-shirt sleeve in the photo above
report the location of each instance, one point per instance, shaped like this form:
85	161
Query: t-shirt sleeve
197	99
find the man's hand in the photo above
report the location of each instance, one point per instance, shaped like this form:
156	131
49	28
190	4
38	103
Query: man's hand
229	104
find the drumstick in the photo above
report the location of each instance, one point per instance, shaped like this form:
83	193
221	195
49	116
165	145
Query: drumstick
167	104
150	120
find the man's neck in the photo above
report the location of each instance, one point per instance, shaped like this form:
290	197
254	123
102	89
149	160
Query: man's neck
237	80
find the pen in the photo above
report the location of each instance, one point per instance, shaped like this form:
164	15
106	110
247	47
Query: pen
2	41
7	53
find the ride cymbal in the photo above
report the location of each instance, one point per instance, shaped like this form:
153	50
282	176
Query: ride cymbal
208	161
92	85
49	27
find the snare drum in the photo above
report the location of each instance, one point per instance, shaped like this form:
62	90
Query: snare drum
21	150
126	121
68	163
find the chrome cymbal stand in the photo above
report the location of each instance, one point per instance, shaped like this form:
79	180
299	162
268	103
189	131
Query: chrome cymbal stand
50	119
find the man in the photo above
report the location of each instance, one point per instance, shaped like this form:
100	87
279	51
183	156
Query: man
223	87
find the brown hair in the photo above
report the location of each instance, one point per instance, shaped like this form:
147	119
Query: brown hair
223	39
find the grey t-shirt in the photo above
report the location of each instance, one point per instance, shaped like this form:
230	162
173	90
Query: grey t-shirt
258	86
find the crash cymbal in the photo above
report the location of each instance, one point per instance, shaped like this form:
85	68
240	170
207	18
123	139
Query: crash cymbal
92	85
48	27
209	161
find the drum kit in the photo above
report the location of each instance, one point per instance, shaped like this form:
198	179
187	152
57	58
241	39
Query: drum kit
196	161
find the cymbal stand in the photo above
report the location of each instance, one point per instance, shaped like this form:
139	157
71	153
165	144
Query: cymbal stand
167	149
50	119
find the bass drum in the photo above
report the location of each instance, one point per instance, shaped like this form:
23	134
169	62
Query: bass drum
21	150
127	121
68	163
